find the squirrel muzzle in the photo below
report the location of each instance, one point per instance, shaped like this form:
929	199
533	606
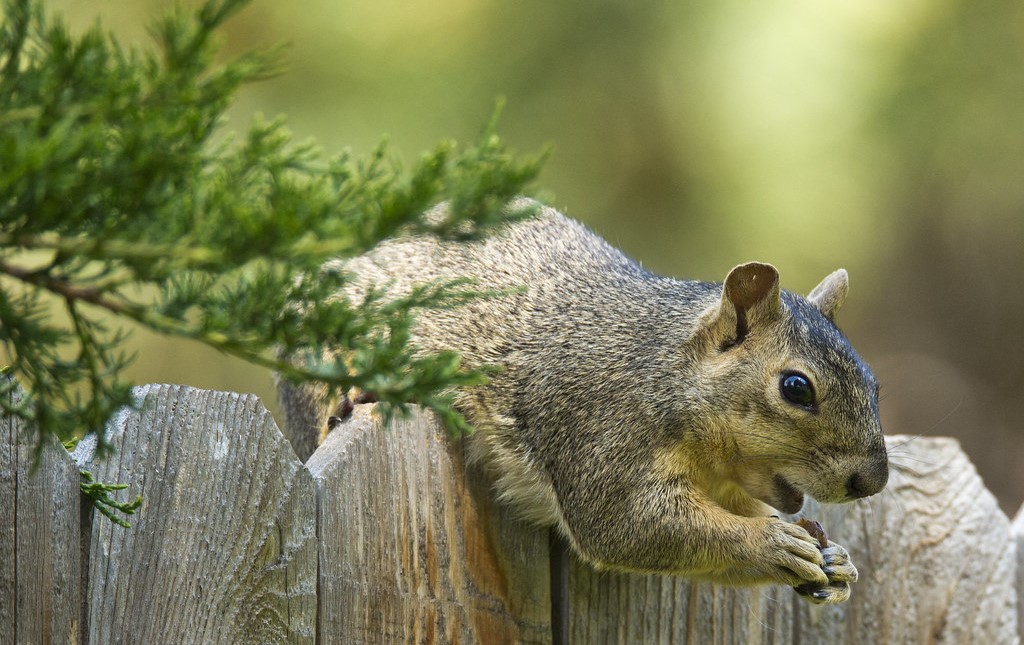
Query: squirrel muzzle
870	478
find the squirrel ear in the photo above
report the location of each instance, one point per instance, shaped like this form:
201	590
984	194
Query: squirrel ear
750	294
830	294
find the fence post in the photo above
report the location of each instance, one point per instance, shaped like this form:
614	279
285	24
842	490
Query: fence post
413	549
40	571
224	547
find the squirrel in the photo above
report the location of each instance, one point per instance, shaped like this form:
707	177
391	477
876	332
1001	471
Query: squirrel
660	425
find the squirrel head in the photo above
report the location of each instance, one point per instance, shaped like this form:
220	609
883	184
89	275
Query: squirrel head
789	404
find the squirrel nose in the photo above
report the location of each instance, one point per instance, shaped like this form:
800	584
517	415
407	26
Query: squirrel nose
866	483
855	486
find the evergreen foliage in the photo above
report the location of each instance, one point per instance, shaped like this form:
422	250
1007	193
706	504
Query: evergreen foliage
120	195
99	494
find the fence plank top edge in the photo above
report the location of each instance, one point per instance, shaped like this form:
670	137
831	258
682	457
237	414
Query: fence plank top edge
227	528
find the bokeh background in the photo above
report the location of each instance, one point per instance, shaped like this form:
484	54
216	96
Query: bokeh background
886	137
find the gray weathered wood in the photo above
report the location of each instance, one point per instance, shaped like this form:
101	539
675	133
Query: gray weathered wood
1017	529
224	547
413	550
610	607
412	547
40	571
933	550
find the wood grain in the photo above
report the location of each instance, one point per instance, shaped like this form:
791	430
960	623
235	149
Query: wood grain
224	547
40	570
413	550
609	607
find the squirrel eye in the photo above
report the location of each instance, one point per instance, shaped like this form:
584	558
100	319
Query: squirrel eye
797	389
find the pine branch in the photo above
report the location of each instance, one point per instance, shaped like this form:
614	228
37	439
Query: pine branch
99	494
115	173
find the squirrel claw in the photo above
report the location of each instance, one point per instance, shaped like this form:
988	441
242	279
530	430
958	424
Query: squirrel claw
830	594
840	572
343	410
837	565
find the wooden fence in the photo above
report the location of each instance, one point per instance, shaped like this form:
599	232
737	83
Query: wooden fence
385	536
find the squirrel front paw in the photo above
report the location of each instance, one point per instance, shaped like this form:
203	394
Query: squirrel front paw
792	555
841	573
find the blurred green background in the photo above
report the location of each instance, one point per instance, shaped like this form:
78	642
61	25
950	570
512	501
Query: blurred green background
884	137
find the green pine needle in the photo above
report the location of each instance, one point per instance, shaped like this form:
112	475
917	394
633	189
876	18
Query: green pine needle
121	200
99	494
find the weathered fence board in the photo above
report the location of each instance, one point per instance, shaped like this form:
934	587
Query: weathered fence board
40	576
389	537
608	607
224	547
412	550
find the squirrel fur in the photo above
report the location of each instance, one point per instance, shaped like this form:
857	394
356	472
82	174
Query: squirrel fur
645	417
